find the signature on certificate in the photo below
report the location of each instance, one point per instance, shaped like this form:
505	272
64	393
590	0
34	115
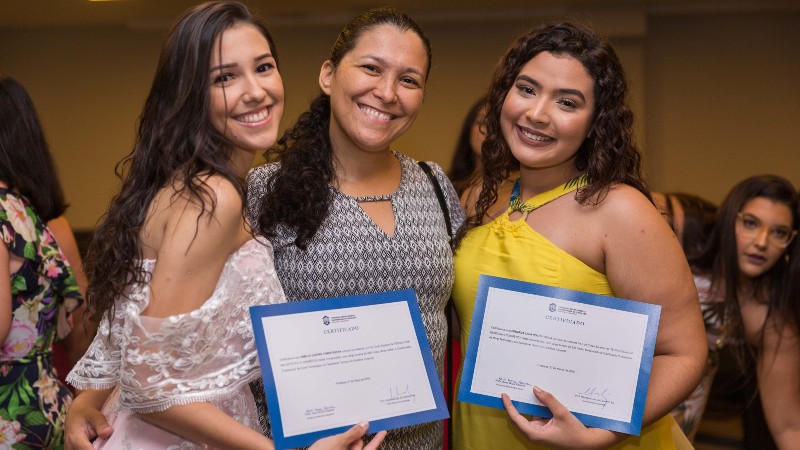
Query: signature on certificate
596	396
400	395
511	383
319	411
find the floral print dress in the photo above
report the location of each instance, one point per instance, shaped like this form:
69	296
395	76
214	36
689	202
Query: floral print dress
33	403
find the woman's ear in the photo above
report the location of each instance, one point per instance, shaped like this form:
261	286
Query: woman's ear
325	76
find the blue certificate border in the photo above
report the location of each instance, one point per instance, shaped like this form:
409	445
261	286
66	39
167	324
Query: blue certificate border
653	312
328	304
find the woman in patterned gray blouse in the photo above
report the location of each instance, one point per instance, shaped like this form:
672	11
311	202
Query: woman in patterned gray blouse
345	213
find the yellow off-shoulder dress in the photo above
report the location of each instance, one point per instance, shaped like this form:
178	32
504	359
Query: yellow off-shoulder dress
514	250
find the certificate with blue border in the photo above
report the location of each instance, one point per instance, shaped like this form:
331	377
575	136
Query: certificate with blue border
592	352
330	363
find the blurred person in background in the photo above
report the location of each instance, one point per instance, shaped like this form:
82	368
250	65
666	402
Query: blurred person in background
467	156
748	276
38	290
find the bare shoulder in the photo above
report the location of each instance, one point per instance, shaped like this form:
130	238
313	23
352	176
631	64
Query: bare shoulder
211	197
624	208
59	225
623	227
622	198
222	210
781	331
199	230
183	217
227	197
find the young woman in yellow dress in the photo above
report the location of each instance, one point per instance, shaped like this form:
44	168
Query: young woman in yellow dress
577	216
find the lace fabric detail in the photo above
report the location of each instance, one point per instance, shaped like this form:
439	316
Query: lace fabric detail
205	355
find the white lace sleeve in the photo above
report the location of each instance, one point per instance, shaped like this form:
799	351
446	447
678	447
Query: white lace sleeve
204	355
99	366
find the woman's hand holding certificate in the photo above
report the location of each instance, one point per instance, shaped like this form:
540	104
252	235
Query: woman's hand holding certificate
592	352
350	440
330	363
567	437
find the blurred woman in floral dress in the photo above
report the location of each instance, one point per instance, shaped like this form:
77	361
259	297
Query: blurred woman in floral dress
38	291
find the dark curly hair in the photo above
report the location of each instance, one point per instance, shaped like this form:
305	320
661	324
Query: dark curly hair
464	160
175	142
298	195
780	286
608	155
26	164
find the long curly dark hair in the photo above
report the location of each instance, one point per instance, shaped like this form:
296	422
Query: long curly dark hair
608	154
25	161
780	286
175	142
298	195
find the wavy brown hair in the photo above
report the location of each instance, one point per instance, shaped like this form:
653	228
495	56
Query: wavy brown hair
298	195
608	155
25	161
176	141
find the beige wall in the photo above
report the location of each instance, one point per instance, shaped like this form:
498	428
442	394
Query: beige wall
89	87
723	100
712	106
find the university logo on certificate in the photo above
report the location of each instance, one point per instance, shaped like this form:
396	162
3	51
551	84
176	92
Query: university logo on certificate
592	352
328	364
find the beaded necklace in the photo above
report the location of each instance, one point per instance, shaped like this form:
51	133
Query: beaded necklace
537	201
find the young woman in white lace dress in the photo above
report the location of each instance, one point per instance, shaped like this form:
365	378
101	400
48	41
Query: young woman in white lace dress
174	267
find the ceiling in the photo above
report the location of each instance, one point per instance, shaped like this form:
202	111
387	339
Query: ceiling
160	13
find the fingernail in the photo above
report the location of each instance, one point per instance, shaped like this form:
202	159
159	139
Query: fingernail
538	390
363	424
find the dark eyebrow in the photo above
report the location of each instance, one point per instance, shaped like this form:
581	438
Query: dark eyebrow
382	61
574	92
750	216
228	66
774	227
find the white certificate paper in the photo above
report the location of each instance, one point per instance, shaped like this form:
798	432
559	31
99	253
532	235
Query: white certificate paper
328	364
592	352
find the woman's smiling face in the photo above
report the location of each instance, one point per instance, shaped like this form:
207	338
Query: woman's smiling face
548	112
377	89
246	89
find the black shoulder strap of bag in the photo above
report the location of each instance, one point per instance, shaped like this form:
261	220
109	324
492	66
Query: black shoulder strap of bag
448	310
439	194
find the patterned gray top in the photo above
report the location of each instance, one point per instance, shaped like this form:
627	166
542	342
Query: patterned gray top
351	255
